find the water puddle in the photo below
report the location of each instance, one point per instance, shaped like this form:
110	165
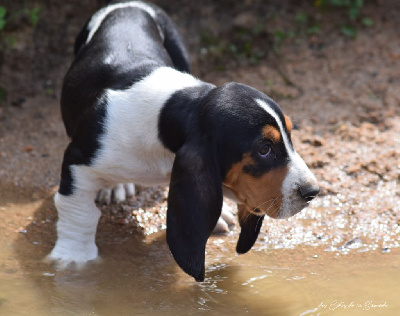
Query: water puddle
137	276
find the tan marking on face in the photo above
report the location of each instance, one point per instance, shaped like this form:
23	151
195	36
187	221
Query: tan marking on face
272	133
263	193
288	123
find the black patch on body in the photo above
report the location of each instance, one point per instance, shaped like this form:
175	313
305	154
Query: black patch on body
179	117
81	150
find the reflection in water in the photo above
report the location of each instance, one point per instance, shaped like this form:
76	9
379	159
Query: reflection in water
137	275
73	292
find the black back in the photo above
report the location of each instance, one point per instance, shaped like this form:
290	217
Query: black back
125	48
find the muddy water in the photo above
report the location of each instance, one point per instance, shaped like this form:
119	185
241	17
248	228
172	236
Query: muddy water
137	276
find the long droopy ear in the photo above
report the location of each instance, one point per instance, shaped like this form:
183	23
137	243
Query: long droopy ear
194	205
250	227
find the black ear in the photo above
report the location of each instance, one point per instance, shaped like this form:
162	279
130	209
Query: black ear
250	227
194	205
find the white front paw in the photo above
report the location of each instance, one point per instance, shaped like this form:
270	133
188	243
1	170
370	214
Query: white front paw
68	253
117	194
104	196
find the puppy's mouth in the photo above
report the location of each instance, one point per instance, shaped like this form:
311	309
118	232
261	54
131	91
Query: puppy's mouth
271	207
292	207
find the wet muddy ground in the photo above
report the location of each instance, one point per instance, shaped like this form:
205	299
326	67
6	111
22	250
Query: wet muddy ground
343	95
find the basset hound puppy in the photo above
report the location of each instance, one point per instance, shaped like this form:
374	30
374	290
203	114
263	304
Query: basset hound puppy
135	114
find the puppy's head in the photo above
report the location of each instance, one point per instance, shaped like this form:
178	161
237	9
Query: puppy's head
262	169
242	146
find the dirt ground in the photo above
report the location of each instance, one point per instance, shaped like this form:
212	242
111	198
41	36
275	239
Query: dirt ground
342	93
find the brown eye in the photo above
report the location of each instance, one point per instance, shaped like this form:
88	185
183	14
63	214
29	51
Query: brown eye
265	151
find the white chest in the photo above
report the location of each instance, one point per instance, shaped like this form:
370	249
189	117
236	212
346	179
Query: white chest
130	147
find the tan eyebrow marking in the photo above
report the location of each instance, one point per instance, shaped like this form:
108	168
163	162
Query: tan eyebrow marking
271	133
289	124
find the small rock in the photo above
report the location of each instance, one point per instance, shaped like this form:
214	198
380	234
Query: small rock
352	244
318	142
315	141
353	169
318	164
123	221
28	148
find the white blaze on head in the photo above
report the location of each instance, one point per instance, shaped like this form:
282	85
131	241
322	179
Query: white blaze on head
299	175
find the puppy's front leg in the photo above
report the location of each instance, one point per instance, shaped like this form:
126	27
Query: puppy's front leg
78	217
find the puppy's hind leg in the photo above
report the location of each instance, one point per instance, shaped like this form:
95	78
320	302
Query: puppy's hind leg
78	217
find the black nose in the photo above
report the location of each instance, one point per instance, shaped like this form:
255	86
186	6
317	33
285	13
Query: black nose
309	192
